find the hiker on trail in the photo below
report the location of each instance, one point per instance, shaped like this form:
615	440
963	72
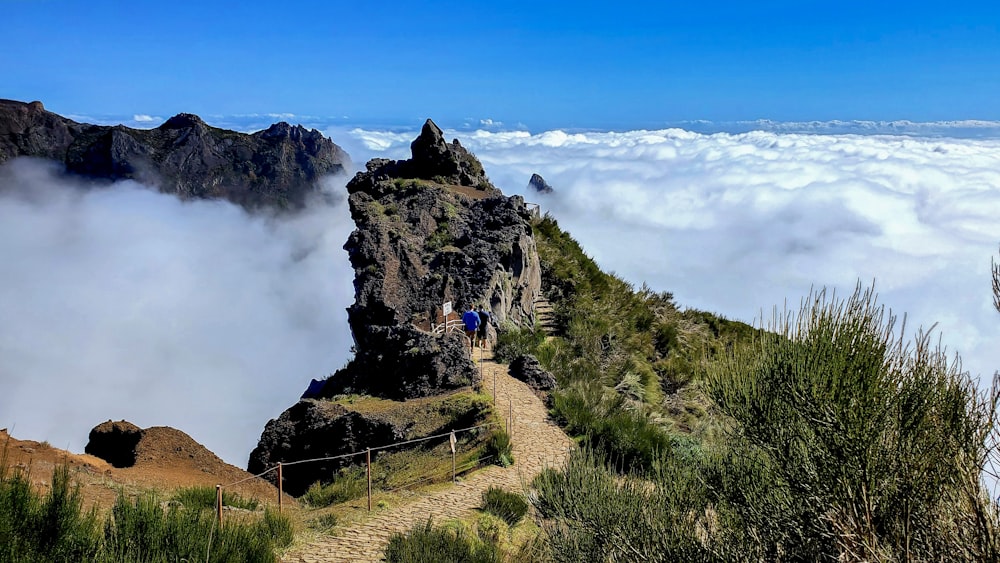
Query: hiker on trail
485	319
471	321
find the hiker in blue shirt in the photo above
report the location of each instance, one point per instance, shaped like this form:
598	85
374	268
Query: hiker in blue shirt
471	321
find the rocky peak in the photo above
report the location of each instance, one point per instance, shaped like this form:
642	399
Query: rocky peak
423	239
430	144
282	129
183	121
278	167
429	231
538	184
434	159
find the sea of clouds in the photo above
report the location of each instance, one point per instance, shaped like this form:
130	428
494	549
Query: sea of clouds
119	302
738	223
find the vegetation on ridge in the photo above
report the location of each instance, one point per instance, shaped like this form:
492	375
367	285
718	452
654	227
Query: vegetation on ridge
824	437
53	527
629	363
827	436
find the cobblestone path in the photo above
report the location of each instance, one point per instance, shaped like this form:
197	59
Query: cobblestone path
537	442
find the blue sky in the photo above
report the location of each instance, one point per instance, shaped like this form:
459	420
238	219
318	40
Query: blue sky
542	64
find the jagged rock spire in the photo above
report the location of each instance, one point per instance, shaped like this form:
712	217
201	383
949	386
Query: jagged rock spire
539	185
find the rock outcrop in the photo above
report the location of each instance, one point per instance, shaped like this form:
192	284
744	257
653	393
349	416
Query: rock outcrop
123	444
431	229
277	167
114	442
528	369
537	184
313	429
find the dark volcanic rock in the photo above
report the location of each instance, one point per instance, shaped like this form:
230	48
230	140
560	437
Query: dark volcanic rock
115	442
419	243
539	185
527	369
433	158
29	130
277	167
314	429
430	230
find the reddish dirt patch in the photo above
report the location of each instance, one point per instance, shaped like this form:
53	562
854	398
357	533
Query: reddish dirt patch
166	460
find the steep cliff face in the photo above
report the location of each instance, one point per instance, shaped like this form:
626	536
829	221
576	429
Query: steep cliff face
430	230
277	167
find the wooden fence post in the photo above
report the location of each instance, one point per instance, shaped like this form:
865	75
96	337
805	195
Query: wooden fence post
218	503
494	388
510	417
451	440
280	489
369	456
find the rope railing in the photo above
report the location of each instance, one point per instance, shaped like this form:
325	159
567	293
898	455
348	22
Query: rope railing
367	451
424	439
478	462
342	456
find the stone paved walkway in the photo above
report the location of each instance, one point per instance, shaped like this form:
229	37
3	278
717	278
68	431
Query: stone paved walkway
537	442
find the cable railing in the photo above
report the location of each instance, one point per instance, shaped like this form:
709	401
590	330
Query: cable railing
367	452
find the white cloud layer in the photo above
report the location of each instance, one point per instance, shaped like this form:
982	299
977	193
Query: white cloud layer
739	223
121	302
962	128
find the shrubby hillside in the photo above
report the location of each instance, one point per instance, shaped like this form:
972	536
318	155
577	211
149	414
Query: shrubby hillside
825	437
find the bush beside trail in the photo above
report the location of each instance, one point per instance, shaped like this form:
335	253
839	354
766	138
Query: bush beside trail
54	527
841	442
823	436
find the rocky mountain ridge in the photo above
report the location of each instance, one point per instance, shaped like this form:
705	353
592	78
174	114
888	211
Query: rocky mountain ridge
275	168
431	229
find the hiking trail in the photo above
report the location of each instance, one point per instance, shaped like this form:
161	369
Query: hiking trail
537	444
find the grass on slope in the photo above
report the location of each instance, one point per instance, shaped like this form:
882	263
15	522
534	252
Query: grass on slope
630	364
825	437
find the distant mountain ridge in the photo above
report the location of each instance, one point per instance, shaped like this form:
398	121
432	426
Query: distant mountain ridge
277	167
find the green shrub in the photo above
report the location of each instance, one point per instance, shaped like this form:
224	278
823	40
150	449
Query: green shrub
425	543
441	237
513	342
848	443
141	530
350	483
509	507
325	522
278	527
590	513
50	527
53	527
626	437
205	497
498	449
